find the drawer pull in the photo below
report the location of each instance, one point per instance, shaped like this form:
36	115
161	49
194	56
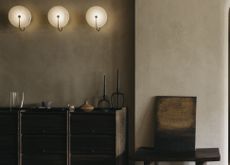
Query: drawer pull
43	150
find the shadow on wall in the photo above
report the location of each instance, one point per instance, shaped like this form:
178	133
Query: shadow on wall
4	20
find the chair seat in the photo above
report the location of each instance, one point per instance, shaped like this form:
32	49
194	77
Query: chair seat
199	155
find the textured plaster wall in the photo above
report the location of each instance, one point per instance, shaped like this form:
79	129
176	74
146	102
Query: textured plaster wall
181	49
66	67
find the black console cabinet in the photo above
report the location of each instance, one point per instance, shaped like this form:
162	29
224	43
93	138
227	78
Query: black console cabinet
8	138
43	138
59	137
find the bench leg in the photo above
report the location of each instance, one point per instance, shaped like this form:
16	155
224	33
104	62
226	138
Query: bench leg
148	163
200	163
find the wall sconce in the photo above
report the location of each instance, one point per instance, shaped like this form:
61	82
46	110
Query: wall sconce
20	17
58	17
96	17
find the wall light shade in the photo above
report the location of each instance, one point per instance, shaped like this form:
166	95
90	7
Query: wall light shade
96	17
20	17
58	17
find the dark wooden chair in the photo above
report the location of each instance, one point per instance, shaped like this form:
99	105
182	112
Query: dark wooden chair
175	125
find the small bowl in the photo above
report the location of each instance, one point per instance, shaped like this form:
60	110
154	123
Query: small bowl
86	107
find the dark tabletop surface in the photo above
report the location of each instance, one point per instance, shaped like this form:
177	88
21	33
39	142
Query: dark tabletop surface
200	155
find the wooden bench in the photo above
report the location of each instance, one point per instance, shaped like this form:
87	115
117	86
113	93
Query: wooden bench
200	156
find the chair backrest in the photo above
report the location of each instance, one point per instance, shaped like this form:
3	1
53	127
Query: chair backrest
175	125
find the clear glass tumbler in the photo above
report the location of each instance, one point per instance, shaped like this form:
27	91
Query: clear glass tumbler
16	99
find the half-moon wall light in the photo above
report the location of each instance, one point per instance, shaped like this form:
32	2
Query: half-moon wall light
96	17
20	17
58	17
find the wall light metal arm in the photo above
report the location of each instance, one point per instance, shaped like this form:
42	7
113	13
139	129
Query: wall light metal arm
96	23
19	23
58	23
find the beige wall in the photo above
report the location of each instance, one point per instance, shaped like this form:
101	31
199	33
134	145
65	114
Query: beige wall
181	49
67	67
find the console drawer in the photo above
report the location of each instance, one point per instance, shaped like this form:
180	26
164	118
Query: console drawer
44	123
8	144
92	124
93	160
98	144
44	144
44	160
8	123
8	159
